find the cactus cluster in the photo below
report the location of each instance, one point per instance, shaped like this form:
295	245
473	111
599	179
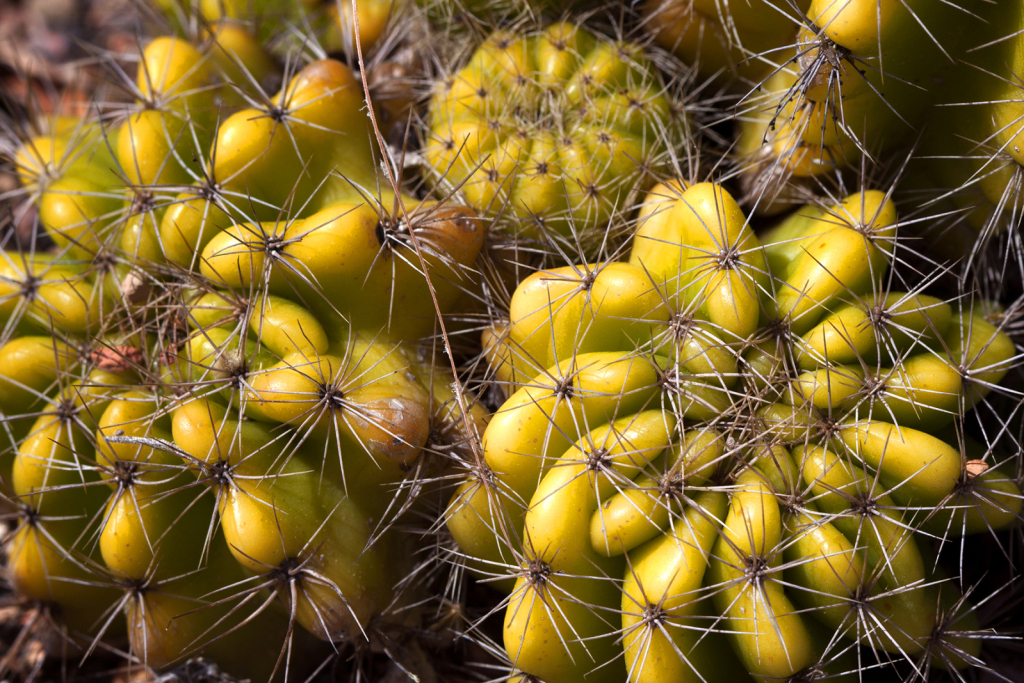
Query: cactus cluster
786	372
461	341
209	418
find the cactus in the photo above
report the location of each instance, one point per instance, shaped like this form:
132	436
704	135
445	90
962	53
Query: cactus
857	79
210	409
730	435
553	129
525	342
